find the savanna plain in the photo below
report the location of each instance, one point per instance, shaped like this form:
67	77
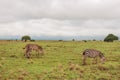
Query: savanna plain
62	60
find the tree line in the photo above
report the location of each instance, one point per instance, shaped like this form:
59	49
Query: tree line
108	38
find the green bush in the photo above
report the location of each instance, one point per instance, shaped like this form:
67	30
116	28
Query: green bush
25	38
110	38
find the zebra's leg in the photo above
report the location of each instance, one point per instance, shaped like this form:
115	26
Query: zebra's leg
94	60
102	60
84	59
41	53
37	53
28	54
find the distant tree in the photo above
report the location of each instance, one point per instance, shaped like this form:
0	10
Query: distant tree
32	40
73	39
110	38
84	40
25	38
60	40
94	40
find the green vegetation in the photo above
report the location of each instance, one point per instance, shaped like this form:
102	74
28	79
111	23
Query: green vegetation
62	61
25	38
111	38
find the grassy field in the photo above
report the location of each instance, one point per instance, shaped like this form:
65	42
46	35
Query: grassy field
62	61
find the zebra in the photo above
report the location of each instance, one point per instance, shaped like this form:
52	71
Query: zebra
30	47
92	53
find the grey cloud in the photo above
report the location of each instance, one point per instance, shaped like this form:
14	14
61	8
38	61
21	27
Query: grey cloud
61	18
13	10
54	27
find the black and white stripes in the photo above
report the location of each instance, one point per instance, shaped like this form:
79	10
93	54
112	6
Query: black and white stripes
92	53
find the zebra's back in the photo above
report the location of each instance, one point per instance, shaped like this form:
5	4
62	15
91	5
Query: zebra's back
91	53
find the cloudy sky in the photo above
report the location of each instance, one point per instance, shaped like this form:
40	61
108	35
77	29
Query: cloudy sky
59	19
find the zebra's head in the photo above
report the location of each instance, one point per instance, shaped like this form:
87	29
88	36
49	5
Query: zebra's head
102	57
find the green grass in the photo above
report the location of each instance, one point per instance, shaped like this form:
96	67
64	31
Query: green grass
62	61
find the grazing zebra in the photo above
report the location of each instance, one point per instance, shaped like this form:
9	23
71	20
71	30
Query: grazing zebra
30	47
92	53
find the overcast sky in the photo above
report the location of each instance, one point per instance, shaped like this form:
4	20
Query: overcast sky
59	19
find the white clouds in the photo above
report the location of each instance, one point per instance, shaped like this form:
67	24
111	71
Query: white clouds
12	10
52	27
59	17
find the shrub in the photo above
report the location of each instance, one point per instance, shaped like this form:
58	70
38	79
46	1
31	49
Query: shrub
25	38
110	38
